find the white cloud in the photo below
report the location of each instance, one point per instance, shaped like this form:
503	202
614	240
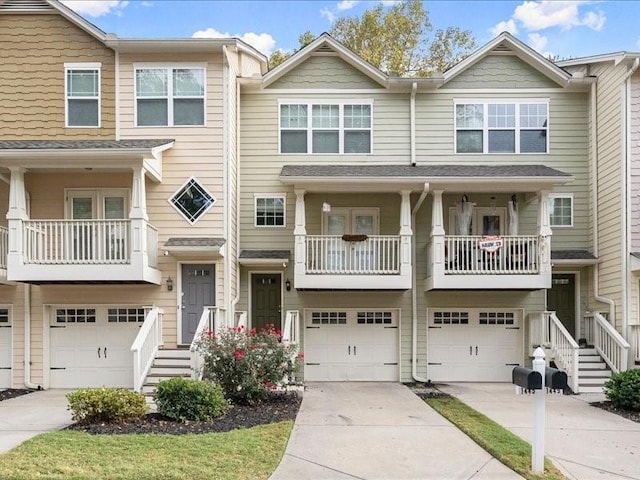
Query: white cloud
538	42
325	12
539	15
147	4
263	42
347	4
96	8
505	26
390	3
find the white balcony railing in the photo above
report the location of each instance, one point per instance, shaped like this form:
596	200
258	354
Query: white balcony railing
517	255
4	247
145	346
564	349
611	346
68	242
373	255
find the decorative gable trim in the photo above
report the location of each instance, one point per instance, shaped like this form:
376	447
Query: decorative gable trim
326	44
505	43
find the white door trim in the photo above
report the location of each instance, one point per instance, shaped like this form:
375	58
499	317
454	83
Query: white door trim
250	290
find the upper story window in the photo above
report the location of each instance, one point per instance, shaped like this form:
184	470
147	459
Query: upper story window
328	127
82	92
192	200
502	127
561	210
270	210
170	96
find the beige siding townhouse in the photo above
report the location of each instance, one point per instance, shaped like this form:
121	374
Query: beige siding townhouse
119	169
615	137
418	229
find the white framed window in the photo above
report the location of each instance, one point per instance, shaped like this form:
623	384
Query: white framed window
341	127
170	96
82	95
192	200
501	126
270	210
561	209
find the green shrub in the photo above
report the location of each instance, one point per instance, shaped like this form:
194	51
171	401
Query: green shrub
92	405
247	365
196	400
623	389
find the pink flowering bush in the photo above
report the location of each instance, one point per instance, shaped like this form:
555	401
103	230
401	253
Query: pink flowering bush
247	364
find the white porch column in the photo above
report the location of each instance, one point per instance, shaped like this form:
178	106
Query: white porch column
16	214
139	218
436	250
300	233
405	233
545	233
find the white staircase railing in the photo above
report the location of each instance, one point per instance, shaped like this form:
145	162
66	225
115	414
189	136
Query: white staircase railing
538	329
634	335
291	330
212	319
241	320
611	346
145	346
564	349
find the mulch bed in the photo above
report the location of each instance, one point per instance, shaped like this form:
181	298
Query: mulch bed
13	393
426	390
277	408
633	415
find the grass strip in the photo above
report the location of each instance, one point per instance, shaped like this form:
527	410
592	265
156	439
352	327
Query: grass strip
506	447
247	454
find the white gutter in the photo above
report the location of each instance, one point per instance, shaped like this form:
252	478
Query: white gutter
412	121
414	290
626	298
27	339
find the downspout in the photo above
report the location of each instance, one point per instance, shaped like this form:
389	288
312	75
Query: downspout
226	148
414	290
27	339
412	121
237	259
626	301
117	74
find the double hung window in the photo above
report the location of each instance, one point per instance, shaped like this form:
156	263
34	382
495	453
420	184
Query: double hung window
328	127
82	92
501	127
170	96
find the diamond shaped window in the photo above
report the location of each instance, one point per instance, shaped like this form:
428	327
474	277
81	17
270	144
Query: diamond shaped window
192	200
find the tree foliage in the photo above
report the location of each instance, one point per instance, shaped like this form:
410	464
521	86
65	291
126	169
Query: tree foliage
399	40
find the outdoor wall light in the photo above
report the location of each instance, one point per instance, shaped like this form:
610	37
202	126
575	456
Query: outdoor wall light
287	285
169	284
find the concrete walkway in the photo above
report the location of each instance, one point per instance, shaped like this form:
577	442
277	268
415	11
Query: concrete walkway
29	415
379	431
584	442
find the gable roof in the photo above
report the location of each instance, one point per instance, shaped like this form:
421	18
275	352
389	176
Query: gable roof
325	43
52	7
507	43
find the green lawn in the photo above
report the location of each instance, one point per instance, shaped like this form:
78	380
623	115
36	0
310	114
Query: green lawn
245	454
508	448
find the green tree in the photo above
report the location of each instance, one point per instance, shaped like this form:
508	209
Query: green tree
279	56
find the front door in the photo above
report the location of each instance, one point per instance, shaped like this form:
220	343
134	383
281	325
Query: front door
265	300
561	298
198	291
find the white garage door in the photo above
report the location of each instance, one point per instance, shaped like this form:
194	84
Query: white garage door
90	346
351	345
5	348
474	345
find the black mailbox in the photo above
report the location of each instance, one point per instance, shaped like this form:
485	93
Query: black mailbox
555	379
526	378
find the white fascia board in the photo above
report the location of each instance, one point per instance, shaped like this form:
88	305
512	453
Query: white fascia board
576	262
615	57
185	251
264	262
353	184
80	22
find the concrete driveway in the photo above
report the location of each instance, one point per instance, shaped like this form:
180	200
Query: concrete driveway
29	415
379	431
584	442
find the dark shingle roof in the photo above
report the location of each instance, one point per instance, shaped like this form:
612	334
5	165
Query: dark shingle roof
571	255
266	254
420	171
80	144
194	242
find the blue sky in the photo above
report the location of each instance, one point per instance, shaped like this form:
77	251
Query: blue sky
566	29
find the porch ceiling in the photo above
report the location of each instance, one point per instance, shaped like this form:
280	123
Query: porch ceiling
468	178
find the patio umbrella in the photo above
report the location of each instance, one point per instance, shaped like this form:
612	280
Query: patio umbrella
513	216
464	211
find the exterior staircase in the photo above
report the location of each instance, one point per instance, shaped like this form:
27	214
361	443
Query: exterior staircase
593	372
169	363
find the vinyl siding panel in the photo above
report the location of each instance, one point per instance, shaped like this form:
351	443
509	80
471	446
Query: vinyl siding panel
33	51
324	72
500	71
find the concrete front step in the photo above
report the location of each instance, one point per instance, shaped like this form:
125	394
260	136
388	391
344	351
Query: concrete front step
592	365
173	353
590	389
591	380
588	351
163	361
589	358
156	378
170	370
585	373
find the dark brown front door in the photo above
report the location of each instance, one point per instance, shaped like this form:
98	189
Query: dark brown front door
265	300
197	292
561	298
